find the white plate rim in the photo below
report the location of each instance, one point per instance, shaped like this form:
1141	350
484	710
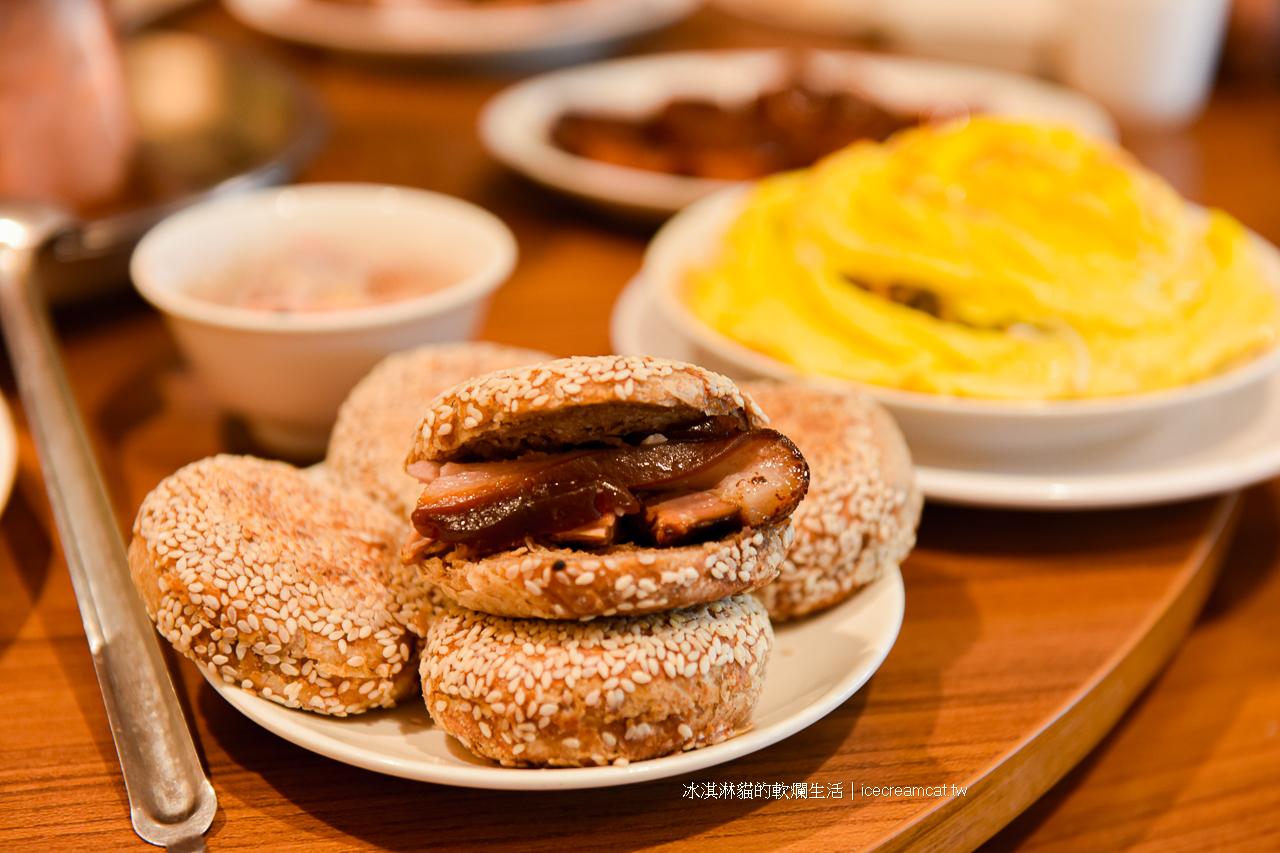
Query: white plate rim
633	316
458	32
1071	492
514	126
317	203
880	605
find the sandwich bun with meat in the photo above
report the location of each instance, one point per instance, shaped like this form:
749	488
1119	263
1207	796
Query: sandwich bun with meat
600	486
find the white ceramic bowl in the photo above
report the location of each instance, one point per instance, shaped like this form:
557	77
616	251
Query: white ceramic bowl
286	373
515	126
555	31
983	427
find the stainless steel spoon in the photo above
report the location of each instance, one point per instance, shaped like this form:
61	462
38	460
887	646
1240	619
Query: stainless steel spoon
171	801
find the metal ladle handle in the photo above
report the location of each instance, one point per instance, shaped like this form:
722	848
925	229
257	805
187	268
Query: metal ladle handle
170	799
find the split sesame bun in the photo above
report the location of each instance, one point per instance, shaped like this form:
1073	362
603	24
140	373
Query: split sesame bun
544	693
286	586
570	401
548	407
563	583
860	514
376	422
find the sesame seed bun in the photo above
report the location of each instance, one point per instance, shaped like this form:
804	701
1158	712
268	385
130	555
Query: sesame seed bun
536	692
558	404
570	401
860	514
376	423
286	586
562	583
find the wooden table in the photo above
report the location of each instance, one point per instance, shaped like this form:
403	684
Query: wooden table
1026	636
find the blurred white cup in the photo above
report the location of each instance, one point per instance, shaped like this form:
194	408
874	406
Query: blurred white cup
1151	62
285	373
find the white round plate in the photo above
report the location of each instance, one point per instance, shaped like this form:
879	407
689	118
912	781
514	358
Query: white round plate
515	126
816	664
8	453
547	31
994	427
1211	449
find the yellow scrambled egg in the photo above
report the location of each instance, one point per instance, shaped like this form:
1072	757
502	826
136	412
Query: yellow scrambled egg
992	259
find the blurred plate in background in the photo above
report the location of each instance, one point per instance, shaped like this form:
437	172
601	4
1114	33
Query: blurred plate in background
210	121
550	30
1149	63
516	126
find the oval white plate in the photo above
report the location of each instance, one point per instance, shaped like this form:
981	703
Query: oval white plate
515	126
1232	444
549	31
815	666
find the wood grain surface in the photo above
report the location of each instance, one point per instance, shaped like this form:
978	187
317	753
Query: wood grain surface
1026	634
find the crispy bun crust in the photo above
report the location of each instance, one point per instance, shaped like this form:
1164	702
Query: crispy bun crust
570	401
376	422
536	692
561	583
863	506
558	404
286	586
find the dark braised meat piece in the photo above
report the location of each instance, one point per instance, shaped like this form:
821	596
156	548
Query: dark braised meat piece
679	518
617	141
785	128
710	426
574	496
596	534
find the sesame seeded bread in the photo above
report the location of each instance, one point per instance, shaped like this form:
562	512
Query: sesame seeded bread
286	586
863	505
562	583
376	422
571	401
534	692
557	405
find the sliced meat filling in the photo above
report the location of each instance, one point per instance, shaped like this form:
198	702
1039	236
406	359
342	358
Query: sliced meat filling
656	492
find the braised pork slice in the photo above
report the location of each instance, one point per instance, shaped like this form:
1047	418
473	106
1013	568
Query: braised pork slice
663	492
